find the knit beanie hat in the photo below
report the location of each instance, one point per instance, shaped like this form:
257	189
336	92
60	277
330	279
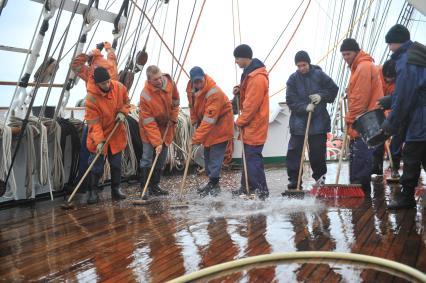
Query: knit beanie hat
397	34
349	44
196	73
243	51
302	56
100	75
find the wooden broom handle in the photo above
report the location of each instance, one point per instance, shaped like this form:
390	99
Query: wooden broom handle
302	157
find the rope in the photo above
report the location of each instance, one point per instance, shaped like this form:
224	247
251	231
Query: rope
292	36
162	35
57	170
174	35
285	28
190	41
129	164
6	160
334	47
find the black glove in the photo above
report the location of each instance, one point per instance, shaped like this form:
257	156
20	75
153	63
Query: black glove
385	102
100	46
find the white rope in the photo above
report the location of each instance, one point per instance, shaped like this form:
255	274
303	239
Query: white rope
176	158
57	171
42	168
6	160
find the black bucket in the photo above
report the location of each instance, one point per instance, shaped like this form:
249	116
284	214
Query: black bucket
368	125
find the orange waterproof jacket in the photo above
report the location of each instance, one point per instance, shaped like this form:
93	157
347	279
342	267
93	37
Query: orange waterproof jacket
254	106
101	111
80	68
388	88
158	107
211	110
365	88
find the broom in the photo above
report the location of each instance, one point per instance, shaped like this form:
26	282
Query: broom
339	190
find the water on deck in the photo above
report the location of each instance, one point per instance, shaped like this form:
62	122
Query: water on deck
118	242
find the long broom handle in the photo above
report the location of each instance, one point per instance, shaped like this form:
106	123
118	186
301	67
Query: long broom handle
302	157
185	173
244	163
345	141
93	162
157	154
389	154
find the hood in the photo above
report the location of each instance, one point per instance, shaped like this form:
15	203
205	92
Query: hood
94	89
208	85
416	54
361	57
166	86
254	65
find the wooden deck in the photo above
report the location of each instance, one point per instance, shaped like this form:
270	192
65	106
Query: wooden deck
117	242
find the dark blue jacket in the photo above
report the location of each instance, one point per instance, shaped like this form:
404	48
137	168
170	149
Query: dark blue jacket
409	102
299	87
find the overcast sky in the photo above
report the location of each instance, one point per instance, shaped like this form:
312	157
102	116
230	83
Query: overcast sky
261	23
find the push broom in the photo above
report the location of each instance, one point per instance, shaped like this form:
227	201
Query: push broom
181	203
339	190
143	201
69	204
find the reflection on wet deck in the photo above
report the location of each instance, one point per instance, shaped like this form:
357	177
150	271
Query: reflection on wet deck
119	242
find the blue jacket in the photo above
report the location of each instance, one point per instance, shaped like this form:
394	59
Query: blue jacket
299	87
409	102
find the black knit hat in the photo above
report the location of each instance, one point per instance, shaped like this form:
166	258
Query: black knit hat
100	75
302	56
243	51
389	69
397	34
349	44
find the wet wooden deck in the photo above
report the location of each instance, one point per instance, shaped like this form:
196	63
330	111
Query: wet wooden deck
117	242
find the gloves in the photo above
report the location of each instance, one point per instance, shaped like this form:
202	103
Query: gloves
120	117
385	102
100	46
315	98
386	128
310	107
100	148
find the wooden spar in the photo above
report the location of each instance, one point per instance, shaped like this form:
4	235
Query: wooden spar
31	84
14	49
70	4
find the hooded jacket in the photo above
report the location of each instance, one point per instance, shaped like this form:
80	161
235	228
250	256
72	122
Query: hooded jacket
100	114
365	88
158	108
211	109
254	103
299	87
408	112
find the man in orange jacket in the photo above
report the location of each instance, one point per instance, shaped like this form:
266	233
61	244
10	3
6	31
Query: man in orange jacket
211	114
107	103
158	112
253	119
95	59
365	89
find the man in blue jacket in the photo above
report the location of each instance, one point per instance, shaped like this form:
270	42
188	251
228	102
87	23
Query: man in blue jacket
309	89
408	113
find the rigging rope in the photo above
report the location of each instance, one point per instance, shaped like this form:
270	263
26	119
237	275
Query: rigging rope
190	41
292	36
174	36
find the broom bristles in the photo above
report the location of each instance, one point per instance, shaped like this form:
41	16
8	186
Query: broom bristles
338	191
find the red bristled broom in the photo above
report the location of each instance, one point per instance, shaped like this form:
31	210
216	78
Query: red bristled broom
339	190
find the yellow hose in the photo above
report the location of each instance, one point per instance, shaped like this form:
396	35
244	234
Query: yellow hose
311	255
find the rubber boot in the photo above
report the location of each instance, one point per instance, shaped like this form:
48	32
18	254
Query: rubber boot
92	189
241	191
116	193
395	169
212	188
403	200
154	184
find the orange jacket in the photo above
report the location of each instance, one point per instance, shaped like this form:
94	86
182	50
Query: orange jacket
158	107
388	88
100	115
254	107
84	71
211	110
365	88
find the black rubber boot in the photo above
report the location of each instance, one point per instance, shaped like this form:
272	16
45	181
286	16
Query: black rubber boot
404	200
116	193
92	188
241	191
212	188
154	184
